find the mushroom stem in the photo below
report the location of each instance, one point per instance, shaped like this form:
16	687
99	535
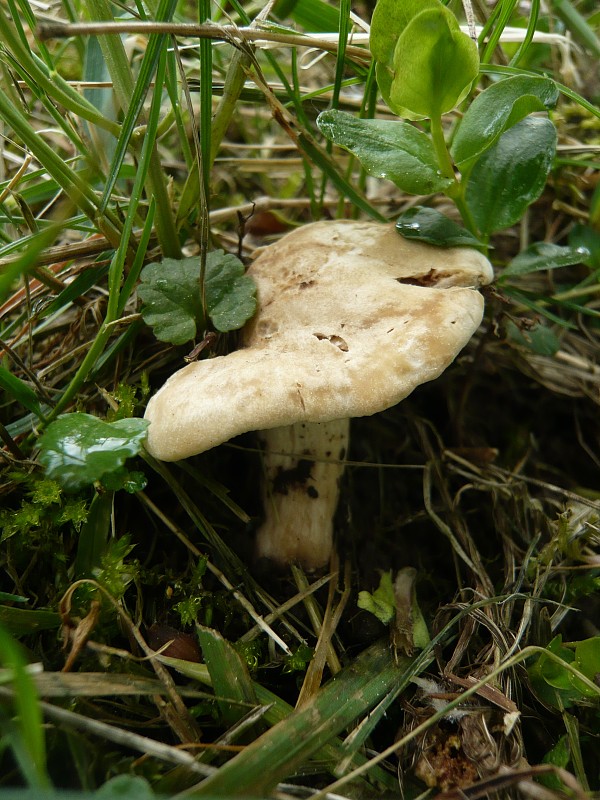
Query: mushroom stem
303	466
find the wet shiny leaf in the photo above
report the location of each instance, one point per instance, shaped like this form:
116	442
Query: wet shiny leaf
387	149
430	226
78	449
498	108
545	255
511	175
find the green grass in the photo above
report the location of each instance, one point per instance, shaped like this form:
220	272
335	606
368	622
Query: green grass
119	151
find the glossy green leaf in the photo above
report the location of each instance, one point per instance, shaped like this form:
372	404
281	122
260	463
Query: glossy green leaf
584	236
389	20
511	175
78	449
545	255
498	108
387	149
434	65
170	292
20	391
428	225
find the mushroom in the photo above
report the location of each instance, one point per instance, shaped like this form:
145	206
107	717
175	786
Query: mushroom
351	318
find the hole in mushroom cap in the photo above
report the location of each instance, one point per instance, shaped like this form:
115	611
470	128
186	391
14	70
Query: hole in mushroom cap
431	278
336	340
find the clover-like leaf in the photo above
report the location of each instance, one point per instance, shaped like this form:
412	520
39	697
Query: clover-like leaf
430	226
435	64
79	449
230	295
498	108
511	174
387	149
545	255
171	297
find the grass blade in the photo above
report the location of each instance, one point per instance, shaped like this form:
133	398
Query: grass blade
27	732
277	753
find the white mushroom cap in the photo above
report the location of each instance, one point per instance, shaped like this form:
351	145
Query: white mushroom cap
352	317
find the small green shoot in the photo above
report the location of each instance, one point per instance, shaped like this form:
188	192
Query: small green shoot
381	602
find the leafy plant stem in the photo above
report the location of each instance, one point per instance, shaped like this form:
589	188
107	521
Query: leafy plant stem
455	190
439	143
466	215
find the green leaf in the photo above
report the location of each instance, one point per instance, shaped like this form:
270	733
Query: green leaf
381	602
545	255
170	291
387	149
584	236
24	621
498	108
559	755
78	449
125	787
538	339
435	64
315	16
229	676
230	295
512	174
389	20
21	392
587	661
430	226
